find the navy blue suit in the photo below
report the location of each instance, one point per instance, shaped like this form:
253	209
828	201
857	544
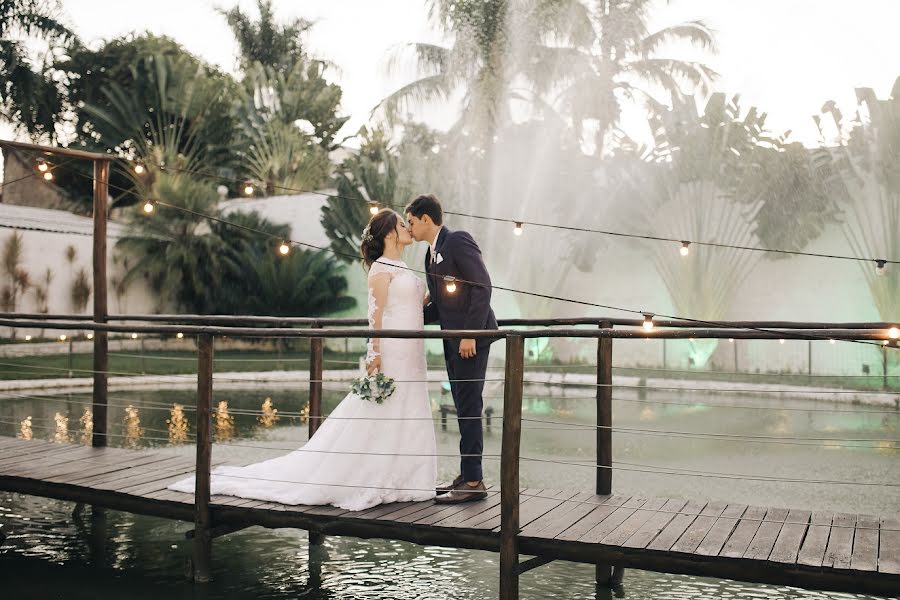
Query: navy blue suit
469	307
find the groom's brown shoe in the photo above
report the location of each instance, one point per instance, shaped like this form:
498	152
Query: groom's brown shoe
444	488
463	493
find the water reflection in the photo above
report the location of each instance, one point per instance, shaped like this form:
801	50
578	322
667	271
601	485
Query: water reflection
25	431
177	425
87	426
61	435
133	431
269	415
225	429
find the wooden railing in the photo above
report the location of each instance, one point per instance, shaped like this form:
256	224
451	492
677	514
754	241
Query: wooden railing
208	328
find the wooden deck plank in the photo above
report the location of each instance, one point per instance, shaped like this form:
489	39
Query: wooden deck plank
654	526
561	514
618	516
720	531
787	546
677	526
26	465
471	510
590	520
110	479
812	552
694	534
840	542
110	467
381	509
493	520
865	544
764	540
632	524
889	546
740	538
539	506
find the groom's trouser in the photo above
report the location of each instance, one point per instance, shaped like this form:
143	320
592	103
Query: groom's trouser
467	385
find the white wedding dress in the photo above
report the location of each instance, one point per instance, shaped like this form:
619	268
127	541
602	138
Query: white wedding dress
364	454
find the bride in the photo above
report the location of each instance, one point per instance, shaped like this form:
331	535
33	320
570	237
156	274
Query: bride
364	454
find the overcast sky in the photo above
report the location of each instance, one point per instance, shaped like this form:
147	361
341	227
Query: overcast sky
785	56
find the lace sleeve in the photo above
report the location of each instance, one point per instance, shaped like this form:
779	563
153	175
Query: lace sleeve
379	279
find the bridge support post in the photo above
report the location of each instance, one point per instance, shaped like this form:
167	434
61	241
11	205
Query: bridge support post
605	575
202	517
509	468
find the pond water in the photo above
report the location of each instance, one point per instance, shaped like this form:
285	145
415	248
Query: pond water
659	447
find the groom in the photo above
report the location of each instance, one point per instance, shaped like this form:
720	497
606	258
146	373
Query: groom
468	306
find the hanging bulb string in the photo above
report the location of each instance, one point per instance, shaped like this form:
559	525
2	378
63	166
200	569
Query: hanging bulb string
352	257
561	227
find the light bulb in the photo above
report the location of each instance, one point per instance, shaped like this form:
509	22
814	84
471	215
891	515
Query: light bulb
780	341
179	335
90	336
894	333
27	338
373	208
42	166
48	176
451	283
685	248
880	267
248	190
648	321
884	342
148	207
731	340
832	342
134	336
518	229
139	168
62	338
284	249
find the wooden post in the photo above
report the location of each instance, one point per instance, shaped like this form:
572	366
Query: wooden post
603	572
202	518
604	413
509	468
101	338
315	384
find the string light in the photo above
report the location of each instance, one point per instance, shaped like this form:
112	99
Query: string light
731	340
62	338
880	267
248	189
48	176
780	341
27	338
648	321
134	336
518	228
894	333
43	167
139	167
884	343
148	207
832	342
90	336
373	208
179	335
284	249
685	248
451	283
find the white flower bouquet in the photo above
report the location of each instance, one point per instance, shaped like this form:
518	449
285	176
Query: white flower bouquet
374	388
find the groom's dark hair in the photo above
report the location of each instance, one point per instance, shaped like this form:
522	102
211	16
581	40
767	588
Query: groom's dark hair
426	204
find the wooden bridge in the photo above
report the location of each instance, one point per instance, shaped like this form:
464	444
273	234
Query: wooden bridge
776	545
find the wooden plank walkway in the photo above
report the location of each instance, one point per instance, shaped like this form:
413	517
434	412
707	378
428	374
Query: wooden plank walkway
816	550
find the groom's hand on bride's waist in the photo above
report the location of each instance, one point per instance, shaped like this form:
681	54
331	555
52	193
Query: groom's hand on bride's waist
467	348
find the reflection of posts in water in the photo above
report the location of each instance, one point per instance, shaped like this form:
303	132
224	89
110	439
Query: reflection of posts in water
97	538
318	554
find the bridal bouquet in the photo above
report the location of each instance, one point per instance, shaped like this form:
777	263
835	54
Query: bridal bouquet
374	388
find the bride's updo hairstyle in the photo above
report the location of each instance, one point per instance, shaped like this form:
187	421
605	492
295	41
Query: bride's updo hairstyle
380	226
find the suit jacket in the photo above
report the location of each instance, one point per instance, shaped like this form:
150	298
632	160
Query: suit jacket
469	307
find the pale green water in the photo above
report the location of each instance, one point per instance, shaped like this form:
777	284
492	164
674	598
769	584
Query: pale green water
48	554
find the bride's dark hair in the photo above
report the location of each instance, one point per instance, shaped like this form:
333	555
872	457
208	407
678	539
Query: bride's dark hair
380	226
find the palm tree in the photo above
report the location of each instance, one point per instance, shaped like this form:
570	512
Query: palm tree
265	41
698	166
18	279
620	62
372	175
29	97
180	261
866	154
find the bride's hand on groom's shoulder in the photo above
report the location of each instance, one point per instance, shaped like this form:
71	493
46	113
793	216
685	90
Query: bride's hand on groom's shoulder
426	300
374	366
